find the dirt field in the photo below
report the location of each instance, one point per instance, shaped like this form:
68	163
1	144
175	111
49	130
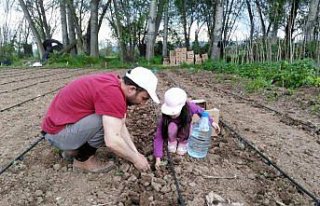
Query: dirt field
231	174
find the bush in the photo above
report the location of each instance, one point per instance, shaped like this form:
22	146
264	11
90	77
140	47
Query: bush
297	74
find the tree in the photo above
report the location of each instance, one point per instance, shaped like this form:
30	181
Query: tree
217	29
165	30
251	18
312	20
151	30
94	49
64	27
32	26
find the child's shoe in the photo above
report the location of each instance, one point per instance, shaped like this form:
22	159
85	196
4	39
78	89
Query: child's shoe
182	148
172	146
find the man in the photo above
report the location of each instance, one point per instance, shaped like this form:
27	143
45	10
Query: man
91	111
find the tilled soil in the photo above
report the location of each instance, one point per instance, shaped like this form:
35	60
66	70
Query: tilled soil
231	171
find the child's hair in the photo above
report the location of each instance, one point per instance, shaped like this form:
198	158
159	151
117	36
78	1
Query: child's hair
184	119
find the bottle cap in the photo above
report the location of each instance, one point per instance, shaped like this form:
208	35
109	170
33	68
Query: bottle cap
204	114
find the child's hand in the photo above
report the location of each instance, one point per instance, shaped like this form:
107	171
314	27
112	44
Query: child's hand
216	127
158	163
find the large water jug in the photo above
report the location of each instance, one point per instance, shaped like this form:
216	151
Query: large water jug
200	138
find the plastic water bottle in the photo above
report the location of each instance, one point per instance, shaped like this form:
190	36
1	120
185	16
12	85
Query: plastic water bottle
200	138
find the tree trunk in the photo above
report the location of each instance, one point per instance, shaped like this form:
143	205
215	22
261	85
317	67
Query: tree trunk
312	20
94	49
264	31
165	30
290	28
122	46
184	23
71	28
45	22
161	7
64	27
76	24
251	20
151	30
104	11
217	30
32	26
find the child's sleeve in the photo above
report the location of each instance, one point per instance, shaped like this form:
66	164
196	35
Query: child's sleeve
195	109
158	140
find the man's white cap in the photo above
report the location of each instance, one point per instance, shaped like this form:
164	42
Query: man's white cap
145	79
174	99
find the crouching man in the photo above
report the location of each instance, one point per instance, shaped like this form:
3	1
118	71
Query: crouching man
91	111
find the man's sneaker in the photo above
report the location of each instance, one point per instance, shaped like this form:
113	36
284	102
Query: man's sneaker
172	146
182	148
92	165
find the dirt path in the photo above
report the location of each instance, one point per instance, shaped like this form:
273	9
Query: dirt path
43	178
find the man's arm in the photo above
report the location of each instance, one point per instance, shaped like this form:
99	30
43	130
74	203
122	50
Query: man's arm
127	138
115	140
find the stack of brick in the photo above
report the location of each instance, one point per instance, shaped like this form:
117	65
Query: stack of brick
190	57
198	59
181	55
204	57
166	61
172	57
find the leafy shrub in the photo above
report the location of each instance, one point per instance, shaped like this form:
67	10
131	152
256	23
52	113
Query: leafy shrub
297	74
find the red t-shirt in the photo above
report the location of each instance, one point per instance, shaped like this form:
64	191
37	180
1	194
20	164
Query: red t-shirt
99	93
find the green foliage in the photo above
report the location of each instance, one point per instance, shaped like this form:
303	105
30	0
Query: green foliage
75	61
262	75
155	60
7	52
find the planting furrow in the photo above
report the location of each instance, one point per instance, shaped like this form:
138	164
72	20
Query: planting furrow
21	73
45	80
51	72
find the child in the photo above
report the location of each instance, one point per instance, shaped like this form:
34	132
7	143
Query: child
175	123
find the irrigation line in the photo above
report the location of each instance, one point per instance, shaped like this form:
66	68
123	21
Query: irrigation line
11	71
312	127
47	75
30	85
268	161
180	198
19	157
171	166
28	100
14	73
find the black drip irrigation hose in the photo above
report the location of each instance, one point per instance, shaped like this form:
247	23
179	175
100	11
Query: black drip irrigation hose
28	100
310	126
180	198
270	163
9	75
43	81
20	156
46	75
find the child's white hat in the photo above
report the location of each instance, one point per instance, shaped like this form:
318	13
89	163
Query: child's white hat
174	99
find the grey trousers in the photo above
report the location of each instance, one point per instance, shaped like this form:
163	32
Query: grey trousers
87	130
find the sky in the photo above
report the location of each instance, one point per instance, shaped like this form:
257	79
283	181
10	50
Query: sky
14	18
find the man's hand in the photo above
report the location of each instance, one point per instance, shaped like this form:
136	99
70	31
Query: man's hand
216	127
158	162
141	163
